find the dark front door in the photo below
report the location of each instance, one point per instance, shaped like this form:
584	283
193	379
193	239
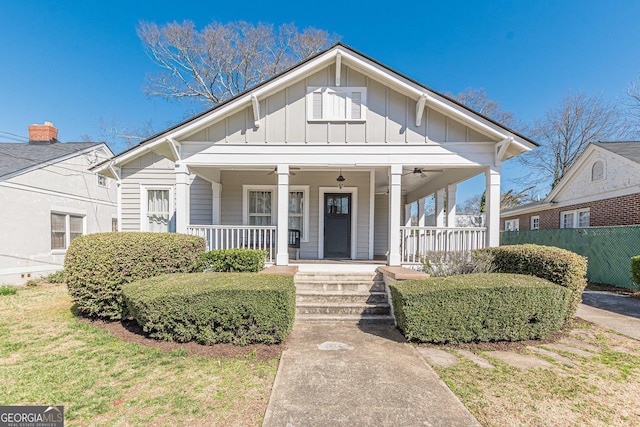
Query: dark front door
337	225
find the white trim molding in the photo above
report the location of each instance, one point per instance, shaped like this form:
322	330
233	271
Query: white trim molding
144	202
354	217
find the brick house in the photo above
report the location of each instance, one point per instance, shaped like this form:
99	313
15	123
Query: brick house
601	189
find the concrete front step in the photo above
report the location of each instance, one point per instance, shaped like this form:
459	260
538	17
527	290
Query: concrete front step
341	297
343	308
338	276
340	286
346	318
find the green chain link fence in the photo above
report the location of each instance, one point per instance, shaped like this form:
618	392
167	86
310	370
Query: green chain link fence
608	249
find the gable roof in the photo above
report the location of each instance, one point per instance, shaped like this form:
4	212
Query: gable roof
16	158
629	150
321	58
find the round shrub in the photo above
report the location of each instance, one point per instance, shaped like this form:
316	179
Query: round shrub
209	308
559	266
97	265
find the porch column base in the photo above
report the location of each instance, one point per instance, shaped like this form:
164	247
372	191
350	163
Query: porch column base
282	259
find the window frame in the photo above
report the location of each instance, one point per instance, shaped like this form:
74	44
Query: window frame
325	91
105	183
516	223
144	203
304	237
576	218
604	171
531	222
68	214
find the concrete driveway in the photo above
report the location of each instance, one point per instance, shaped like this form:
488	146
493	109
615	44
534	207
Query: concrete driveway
614	311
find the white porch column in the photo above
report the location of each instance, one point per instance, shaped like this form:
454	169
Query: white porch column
492	198
440	218
395	212
451	205
182	198
282	251
216	207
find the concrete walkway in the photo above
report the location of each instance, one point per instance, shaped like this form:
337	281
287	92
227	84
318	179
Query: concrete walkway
344	375
612	311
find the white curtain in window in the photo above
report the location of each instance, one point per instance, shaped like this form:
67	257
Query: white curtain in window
158	210
58	231
259	207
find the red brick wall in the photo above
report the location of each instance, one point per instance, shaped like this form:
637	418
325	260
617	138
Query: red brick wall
622	210
46	132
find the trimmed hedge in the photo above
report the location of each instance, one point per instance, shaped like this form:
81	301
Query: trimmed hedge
559	266
238	308
240	260
479	307
97	265
635	269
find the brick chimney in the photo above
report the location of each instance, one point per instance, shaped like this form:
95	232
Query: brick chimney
43	134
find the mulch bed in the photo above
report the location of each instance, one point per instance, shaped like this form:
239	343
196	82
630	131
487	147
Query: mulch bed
592	286
130	331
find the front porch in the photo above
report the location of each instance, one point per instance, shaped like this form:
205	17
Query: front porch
371	214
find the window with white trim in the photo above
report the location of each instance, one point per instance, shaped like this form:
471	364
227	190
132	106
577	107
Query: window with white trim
156	209
575	219
299	210
512	225
64	228
260	207
102	181
336	103
535	222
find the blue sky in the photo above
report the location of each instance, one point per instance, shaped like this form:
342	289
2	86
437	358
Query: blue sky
75	62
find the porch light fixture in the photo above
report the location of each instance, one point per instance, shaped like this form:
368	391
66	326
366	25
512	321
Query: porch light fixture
341	179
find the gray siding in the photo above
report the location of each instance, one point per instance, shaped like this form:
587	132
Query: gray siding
150	169
232	199
390	118
201	201
381	225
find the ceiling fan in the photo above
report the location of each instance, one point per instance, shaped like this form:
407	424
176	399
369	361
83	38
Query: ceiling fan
290	171
422	172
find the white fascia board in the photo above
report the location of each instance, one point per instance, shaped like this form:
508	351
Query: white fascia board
577	166
261	92
433	99
527	209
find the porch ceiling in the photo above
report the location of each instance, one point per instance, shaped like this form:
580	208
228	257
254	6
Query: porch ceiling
414	183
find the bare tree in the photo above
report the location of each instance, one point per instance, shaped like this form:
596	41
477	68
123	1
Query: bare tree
478	100
222	60
125	135
566	130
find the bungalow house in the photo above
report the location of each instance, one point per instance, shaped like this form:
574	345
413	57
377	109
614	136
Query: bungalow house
48	197
601	189
329	151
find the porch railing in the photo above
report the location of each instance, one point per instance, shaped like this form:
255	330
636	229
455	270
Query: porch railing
416	241
237	236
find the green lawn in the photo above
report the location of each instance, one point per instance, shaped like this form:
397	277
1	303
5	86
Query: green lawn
49	357
601	390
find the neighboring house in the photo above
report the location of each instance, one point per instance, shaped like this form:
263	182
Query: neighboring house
333	147
48	197
601	189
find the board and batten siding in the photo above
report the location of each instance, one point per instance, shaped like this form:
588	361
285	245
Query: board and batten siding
390	118
232	199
